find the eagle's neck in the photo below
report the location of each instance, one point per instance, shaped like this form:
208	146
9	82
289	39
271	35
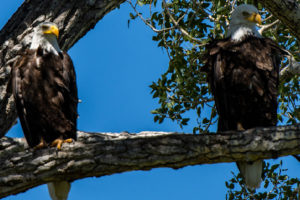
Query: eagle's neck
47	42
237	31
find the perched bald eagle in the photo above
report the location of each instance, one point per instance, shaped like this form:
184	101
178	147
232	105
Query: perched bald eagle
45	91
242	72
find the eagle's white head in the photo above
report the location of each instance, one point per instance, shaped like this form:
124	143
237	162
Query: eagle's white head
45	36
243	22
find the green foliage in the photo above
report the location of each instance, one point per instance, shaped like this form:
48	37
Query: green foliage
276	185
183	28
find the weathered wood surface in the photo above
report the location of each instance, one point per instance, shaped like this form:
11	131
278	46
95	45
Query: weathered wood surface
99	154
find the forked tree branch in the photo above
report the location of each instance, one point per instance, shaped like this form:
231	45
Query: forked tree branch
268	26
102	154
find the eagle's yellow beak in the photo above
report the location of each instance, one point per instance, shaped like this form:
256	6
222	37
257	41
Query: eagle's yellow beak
52	30
254	17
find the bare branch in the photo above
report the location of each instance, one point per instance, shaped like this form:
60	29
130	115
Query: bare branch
292	69
108	153
210	120
146	22
267	18
267	26
176	23
233	6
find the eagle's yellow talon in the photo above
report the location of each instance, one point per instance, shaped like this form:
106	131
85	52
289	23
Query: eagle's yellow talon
41	145
58	142
69	140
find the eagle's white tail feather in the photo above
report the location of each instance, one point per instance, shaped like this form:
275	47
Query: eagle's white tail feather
251	173
59	190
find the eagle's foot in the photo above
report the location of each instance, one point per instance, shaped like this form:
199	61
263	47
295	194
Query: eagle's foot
58	142
240	127
69	140
41	145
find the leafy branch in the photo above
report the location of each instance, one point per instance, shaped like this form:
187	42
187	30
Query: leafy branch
276	185
186	28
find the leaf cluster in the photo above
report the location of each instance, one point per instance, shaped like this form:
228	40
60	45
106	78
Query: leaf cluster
276	185
183	28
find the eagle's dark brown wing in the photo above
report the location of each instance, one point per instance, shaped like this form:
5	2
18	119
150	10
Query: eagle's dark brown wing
71	97
44	87
243	77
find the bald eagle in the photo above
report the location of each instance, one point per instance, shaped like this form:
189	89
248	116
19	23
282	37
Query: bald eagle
242	72
45	91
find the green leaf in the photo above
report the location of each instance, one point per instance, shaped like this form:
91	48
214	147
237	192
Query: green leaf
140	3
185	121
154	112
272	196
132	16
156	118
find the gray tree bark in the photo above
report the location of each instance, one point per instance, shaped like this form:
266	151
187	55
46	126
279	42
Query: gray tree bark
99	154
288	11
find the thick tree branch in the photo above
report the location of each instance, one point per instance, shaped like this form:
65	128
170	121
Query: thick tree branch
288	11
107	153
74	18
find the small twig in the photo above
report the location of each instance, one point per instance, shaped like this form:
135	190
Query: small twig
146	22
176	24
150	6
271	191
232	6
293	68
210	120
267	18
212	18
136	4
208	15
292	102
164	38
206	103
241	185
201	101
267	26
180	18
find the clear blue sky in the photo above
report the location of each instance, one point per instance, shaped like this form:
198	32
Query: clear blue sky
115	66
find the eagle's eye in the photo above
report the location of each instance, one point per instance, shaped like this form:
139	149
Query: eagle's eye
45	27
245	14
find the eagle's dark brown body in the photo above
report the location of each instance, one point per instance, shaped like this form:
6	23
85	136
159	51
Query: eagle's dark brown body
243	77
45	91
